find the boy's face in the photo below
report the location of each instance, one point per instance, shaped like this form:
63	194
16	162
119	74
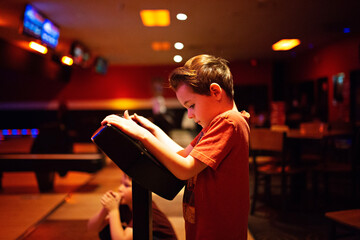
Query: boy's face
125	190
201	108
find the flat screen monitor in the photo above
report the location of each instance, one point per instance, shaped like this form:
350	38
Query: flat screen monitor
101	65
38	26
33	22
50	34
80	54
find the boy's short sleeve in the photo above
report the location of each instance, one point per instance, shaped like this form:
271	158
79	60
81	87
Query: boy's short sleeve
216	143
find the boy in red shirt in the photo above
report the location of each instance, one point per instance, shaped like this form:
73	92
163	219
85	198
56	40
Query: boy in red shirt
215	164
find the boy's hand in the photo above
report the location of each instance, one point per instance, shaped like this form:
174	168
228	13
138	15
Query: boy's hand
144	122
111	201
126	124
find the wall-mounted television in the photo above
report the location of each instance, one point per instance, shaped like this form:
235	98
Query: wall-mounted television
36	25
50	34
101	65
80	54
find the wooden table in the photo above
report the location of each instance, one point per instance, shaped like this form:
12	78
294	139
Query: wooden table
45	165
346	218
300	134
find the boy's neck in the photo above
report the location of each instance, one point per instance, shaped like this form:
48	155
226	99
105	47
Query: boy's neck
234	106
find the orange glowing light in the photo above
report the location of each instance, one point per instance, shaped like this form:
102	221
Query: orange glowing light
285	44
38	47
67	60
155	18
160	46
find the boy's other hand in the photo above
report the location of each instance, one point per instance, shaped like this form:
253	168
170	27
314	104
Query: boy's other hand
111	200
144	122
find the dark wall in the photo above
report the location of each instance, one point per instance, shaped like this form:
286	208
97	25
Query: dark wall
24	74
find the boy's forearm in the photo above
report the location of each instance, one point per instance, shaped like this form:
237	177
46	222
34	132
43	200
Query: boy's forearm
97	221
116	229
182	167
165	139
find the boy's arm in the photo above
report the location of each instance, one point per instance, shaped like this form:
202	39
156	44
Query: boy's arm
116	230
110	202
182	165
156	131
98	221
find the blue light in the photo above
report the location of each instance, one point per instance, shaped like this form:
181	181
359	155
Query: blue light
346	30
5	132
24	131
15	132
34	131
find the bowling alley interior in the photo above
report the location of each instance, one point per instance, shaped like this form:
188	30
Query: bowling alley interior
67	65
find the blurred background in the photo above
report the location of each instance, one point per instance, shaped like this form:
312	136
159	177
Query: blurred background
67	64
117	57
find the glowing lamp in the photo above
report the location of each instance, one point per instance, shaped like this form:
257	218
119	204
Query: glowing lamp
155	18
285	44
181	16
179	45
177	58
160	46
38	47
67	60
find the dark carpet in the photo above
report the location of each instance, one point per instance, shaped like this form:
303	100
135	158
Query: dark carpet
302	219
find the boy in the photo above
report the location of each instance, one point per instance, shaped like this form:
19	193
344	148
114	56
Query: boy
114	221
215	163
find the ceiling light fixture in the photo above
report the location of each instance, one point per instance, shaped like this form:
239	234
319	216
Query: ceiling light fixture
179	45
38	47
178	58
285	44
67	60
160	46
181	16
155	18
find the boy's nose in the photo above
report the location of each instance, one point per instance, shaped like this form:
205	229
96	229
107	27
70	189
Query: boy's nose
190	114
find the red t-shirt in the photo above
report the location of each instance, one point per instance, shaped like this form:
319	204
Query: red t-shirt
216	201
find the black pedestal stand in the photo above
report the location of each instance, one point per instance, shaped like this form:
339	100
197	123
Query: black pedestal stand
142	213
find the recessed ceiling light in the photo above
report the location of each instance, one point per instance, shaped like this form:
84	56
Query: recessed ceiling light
181	16
178	58
179	45
38	47
155	18
67	60
285	44
160	46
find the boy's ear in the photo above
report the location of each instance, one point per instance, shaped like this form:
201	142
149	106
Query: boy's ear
215	90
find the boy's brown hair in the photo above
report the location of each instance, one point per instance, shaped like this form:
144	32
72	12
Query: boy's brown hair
202	70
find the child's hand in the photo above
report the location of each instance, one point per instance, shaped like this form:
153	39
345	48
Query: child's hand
111	201
144	122
126	124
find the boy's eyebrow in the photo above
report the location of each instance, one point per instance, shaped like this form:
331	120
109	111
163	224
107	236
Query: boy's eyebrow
186	102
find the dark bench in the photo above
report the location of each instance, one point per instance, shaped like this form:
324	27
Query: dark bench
45	165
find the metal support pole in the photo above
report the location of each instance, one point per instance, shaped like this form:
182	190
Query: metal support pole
142	213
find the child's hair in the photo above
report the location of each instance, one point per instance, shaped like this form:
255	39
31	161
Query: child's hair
202	70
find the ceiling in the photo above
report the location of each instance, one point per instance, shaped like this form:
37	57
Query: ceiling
233	29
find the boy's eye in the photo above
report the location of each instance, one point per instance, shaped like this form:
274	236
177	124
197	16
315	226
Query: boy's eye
192	106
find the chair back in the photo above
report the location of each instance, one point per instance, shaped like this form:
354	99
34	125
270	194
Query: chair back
267	144
280	128
313	127
266	140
